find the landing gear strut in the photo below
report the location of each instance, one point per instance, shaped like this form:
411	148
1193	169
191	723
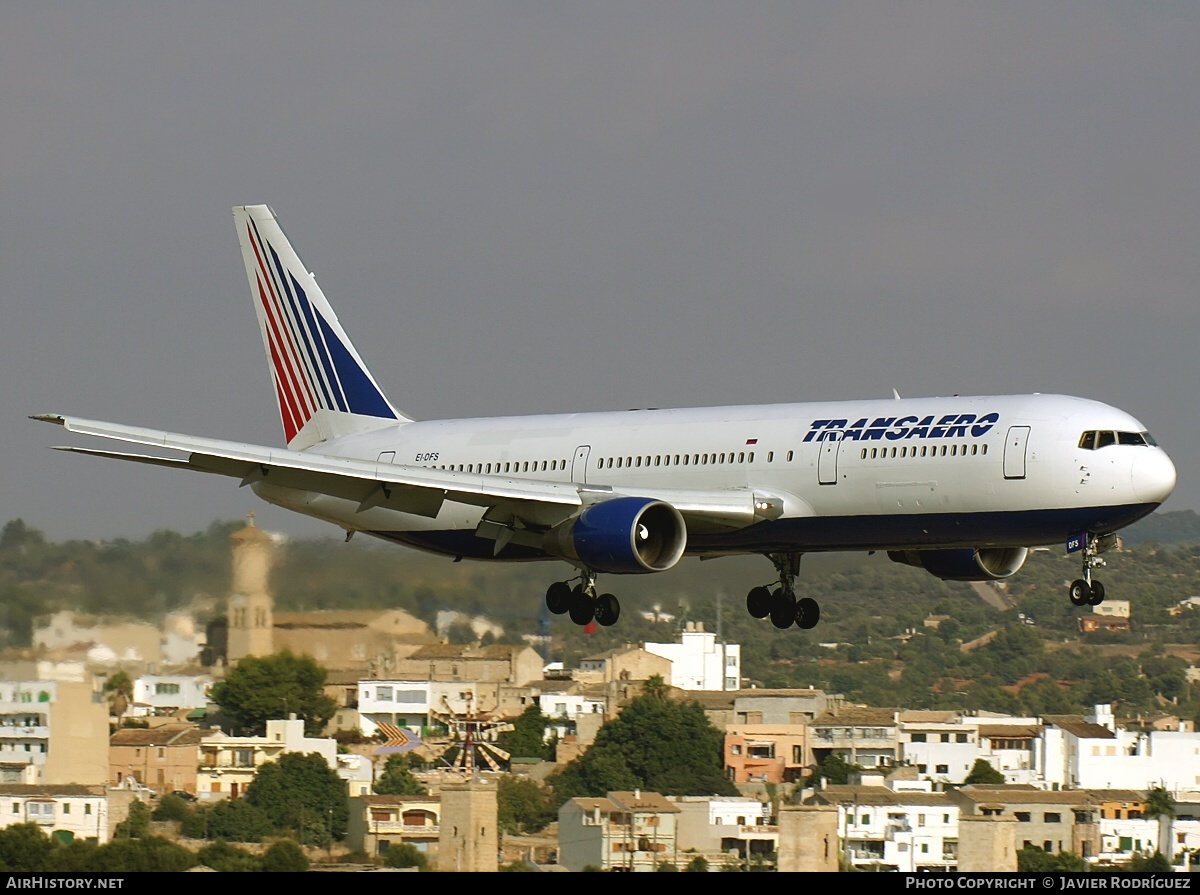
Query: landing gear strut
581	602
1084	591
781	603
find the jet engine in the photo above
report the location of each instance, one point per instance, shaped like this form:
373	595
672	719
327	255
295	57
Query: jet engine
624	535
969	564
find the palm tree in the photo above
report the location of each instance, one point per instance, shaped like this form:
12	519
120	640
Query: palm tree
1161	804
120	693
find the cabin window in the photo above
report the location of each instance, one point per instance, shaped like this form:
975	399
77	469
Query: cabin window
619	461
722	458
677	459
629	462
750	457
789	456
1104	439
770	456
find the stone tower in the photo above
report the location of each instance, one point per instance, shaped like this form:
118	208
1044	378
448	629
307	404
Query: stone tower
469	839
987	844
808	839
250	616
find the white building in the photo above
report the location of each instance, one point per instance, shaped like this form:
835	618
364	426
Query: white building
1094	754
897	828
164	694
228	764
942	746
698	662
402	703
65	812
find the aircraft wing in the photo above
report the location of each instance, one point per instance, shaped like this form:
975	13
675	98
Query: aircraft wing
411	489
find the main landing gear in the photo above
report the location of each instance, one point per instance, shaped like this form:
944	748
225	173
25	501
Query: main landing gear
1084	591
581	602
781	603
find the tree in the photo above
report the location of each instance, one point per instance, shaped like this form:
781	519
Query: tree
172	806
234	820
302	793
228	858
527	739
405	854
836	770
523	805
983	772
24	847
284	856
397	779
259	689
119	690
1155	863
137	824
1161	804
656	744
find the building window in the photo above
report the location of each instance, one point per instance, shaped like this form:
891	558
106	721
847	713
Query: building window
918	738
943	769
1022	817
1052	817
961	738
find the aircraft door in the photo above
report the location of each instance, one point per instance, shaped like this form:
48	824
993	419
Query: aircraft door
1014	452
579	464
827	460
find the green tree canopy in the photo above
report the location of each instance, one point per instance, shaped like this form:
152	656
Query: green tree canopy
397	778
527	739
302	793
233	820
656	744
983	772
524	806
836	770
259	689
284	856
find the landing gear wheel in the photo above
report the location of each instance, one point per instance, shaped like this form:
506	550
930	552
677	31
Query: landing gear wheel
783	609
1080	592
608	610
1097	596
758	602
583	607
558	597
808	613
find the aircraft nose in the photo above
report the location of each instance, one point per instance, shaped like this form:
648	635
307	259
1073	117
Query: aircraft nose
1153	476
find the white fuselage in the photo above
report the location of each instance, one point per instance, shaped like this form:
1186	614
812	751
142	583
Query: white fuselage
854	475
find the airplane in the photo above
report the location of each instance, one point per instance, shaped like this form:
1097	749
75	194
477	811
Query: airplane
961	487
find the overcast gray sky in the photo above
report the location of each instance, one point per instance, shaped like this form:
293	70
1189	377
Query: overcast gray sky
533	206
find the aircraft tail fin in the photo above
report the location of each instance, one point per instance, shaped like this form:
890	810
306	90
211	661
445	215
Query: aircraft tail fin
323	388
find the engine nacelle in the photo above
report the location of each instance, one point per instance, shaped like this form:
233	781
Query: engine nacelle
624	535
969	564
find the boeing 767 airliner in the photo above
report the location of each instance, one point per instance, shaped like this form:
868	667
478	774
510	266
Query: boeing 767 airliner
960	486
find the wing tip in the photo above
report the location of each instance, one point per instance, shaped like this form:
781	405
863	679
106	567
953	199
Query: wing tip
49	418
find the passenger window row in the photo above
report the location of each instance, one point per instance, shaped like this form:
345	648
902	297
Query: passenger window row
952	450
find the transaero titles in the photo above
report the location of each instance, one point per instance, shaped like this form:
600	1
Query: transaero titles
951	425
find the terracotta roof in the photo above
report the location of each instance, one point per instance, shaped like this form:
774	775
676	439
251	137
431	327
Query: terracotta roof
1011	731
875	795
1075	725
856	714
167	735
1022	795
644	801
34	790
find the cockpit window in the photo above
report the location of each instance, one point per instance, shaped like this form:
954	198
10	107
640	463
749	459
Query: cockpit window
1094	440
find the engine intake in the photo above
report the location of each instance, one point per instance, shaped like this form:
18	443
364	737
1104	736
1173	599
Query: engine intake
624	535
968	564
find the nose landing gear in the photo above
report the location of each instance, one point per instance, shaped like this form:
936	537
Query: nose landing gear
1084	591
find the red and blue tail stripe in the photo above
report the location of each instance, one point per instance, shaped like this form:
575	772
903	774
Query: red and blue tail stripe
313	365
